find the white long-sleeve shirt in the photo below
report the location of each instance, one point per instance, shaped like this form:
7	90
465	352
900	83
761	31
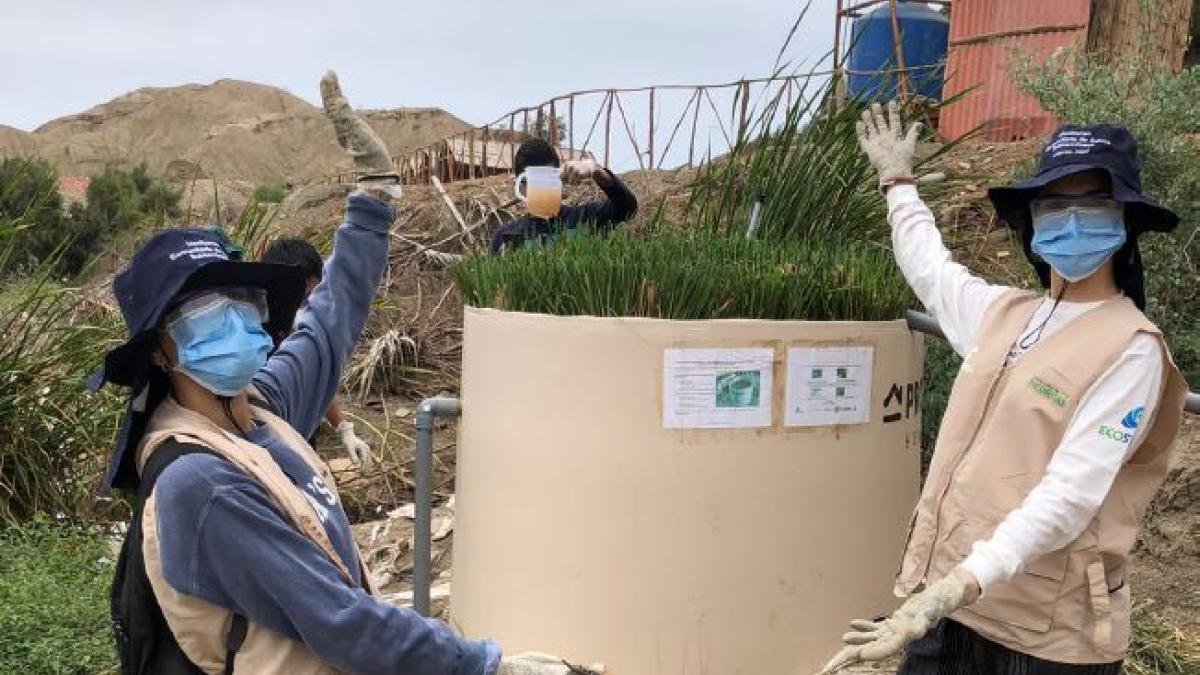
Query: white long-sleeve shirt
1084	465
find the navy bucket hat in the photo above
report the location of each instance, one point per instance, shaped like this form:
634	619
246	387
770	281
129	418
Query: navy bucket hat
177	262
169	265
1076	149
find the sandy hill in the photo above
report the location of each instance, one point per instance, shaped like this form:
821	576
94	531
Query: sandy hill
228	129
15	142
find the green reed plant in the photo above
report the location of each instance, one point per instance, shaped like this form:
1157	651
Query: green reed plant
689	274
799	158
51	429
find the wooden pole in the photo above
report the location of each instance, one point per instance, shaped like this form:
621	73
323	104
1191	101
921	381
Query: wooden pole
571	121
898	49
650	144
695	122
742	116
608	127
486	137
512	150
837	35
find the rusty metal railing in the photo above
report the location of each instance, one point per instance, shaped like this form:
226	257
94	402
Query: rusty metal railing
649	127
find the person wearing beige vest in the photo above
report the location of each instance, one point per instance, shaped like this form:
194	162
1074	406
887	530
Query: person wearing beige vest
240	557
1058	429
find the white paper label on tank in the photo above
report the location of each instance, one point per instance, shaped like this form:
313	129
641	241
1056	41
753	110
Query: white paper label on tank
828	385
717	388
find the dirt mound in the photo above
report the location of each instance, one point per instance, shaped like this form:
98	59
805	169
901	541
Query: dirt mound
14	142
1167	562
230	129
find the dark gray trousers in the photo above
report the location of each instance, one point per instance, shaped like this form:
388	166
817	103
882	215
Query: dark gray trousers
953	649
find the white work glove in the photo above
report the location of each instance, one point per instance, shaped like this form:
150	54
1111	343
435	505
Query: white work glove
578	169
372	164
356	447
890	150
877	640
534	663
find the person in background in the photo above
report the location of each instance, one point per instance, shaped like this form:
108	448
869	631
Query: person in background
603	215
298	252
238	530
1058	430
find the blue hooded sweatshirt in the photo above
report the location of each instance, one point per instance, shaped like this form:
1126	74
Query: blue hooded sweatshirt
222	540
601	215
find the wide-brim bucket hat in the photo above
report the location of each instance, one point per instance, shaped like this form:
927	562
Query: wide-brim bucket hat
1076	149
175	263
171	265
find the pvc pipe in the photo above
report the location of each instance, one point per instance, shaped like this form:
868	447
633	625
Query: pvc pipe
923	323
755	214
427	414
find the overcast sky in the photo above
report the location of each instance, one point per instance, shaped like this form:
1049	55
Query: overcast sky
476	58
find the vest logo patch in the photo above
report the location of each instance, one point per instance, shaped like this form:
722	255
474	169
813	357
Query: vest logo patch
1048	391
1131	419
1114	434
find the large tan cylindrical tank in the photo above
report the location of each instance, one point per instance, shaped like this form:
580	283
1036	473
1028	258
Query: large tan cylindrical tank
682	497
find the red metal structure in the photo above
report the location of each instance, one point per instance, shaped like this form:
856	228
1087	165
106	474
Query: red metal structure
984	34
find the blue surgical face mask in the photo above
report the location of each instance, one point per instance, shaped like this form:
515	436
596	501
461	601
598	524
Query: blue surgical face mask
220	343
1075	236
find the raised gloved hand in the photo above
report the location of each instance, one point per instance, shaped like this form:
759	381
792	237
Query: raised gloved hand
534	663
877	640
356	447
578	169
890	150
372	164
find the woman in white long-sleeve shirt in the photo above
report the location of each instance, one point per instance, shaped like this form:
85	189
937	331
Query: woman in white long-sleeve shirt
1058	429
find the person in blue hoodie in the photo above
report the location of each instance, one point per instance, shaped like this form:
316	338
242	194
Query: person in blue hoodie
602	215
224	542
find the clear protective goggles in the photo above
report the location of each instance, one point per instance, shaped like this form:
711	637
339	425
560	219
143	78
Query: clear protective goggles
1087	207
251	301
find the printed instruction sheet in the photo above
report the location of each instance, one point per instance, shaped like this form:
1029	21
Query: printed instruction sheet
828	385
717	388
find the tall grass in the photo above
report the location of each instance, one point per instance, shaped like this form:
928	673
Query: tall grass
817	251
799	160
681	274
51	430
254	226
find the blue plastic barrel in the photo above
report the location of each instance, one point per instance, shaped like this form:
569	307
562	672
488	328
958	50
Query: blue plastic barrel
924	34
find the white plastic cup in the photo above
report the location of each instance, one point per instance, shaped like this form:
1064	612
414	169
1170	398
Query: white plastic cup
543	190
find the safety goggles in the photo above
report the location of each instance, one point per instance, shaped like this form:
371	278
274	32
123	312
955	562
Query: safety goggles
252	302
1088	208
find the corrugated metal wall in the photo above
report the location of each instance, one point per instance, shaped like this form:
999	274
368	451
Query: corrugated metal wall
983	36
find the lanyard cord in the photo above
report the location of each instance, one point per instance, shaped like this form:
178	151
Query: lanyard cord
227	406
1035	334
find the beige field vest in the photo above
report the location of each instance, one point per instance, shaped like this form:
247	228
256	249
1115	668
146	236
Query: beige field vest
1001	427
201	627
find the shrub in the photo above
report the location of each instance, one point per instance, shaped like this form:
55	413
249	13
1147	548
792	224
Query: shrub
50	428
54	581
117	202
1159	108
30	204
271	193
